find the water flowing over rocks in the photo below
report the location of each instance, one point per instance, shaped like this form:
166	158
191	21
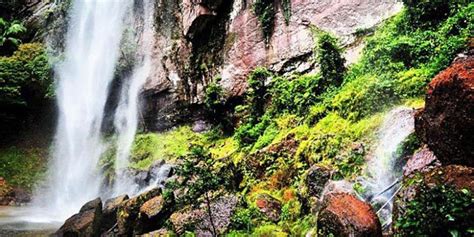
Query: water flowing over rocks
446	123
345	215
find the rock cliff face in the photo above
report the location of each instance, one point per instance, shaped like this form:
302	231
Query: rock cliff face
198	40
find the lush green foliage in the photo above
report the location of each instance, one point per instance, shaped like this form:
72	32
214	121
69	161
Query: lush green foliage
25	76
437	211
429	13
10	32
22	167
330	61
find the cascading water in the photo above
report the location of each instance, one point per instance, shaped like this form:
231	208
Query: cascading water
126	115
92	51
93	45
381	183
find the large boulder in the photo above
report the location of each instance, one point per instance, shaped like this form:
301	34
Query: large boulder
345	215
109	212
85	223
127	213
198	220
152	214
446	123
427	198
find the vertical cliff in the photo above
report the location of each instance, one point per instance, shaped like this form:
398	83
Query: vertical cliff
198	40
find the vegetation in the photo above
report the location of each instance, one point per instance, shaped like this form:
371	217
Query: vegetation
22	167
330	61
25	76
266	10
437	211
10	33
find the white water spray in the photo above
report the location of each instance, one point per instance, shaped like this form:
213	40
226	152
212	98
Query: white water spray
382	171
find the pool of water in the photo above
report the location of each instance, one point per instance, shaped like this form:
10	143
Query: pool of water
18	221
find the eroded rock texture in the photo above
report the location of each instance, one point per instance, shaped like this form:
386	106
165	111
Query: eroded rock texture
446	123
198	40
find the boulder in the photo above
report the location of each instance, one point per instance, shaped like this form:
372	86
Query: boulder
316	178
423	160
446	123
109	212
345	215
127	213
85	223
269	206
222	210
152	214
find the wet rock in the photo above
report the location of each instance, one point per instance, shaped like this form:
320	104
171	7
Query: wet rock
316	179
446	123
269	206
109	212
345	215
85	223
127	213
423	160
91	205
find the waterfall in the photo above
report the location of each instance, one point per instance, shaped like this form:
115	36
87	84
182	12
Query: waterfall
126	115
92	52
382	173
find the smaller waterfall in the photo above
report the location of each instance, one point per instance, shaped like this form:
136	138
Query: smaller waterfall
126	115
381	182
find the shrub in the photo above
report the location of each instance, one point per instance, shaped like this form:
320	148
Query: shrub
22	167
330	60
10	33
437	211
25	76
421	13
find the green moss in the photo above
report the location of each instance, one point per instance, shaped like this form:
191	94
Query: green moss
150	147
22	167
